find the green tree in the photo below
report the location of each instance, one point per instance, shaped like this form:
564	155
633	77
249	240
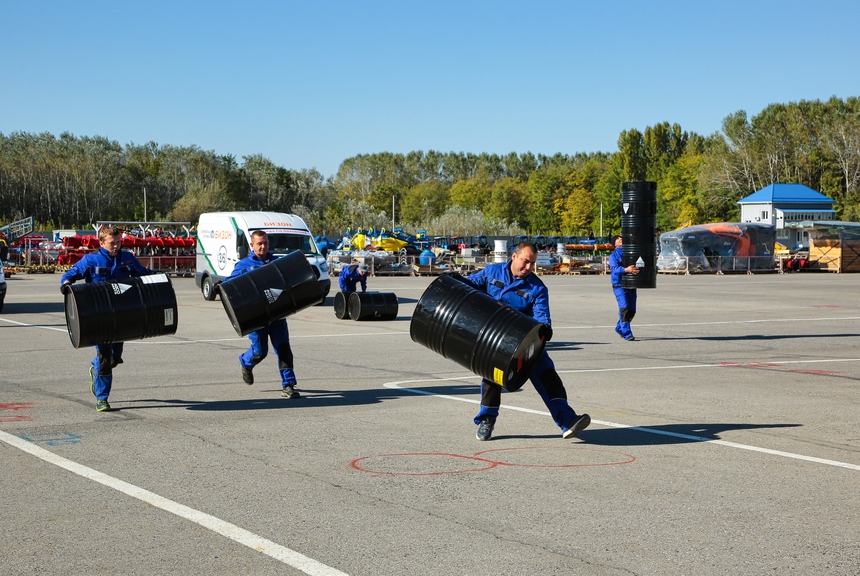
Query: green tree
424	201
472	193
508	201
546	190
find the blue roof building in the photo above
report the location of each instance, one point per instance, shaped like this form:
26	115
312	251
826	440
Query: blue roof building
785	206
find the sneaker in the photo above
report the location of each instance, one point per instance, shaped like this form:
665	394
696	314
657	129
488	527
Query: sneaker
247	375
102	406
290	392
578	426
631	339
485	429
93	379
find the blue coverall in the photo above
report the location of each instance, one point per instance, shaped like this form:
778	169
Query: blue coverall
276	331
626	297
350	277
529	296
100	267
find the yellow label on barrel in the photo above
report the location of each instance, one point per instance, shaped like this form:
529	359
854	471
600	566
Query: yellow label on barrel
498	376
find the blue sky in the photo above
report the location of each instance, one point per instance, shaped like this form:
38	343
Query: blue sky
311	83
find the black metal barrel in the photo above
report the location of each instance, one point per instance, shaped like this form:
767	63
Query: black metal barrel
372	306
639	233
469	327
270	292
120	310
341	311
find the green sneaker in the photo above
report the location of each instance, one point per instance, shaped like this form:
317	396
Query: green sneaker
93	379
102	406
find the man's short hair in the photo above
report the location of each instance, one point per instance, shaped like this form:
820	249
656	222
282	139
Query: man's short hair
523	245
258	233
109	231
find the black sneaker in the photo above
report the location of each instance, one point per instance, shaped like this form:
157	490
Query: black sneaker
290	392
485	428
102	406
247	375
578	426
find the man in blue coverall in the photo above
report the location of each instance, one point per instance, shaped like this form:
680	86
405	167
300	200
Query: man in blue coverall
513	284
626	297
276	331
109	263
351	275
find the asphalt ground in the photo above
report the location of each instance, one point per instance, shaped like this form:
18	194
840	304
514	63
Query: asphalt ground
724	441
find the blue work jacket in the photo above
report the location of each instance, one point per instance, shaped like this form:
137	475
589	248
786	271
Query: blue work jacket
99	267
350	277
251	262
616	267
528	295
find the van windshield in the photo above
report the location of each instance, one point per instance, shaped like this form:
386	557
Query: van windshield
286	243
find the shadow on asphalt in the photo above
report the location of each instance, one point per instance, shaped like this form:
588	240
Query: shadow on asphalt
311	398
757	337
666	433
34	307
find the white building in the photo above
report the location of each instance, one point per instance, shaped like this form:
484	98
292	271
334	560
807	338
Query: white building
785	206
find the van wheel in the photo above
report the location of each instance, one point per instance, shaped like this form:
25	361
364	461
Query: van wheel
208	289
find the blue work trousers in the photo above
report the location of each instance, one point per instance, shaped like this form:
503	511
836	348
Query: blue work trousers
626	298
548	384
278	333
107	357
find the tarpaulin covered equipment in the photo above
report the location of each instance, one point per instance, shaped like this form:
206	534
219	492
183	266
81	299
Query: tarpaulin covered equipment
720	246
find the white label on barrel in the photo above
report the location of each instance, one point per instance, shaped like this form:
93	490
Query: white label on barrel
168	316
153	278
625	206
640	263
272	294
120	288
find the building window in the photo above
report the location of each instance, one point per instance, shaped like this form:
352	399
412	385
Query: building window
764	215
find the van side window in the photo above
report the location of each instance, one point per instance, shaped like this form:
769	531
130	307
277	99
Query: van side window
241	244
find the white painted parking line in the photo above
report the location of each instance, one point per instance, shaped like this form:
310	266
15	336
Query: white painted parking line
400	332
400	386
257	543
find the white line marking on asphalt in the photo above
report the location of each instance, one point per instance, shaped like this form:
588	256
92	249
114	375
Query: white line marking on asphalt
258	543
555	328
34	325
397	386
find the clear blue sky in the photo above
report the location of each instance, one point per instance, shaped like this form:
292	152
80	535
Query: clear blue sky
311	83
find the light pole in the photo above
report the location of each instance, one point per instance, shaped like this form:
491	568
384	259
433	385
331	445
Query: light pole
145	219
601	219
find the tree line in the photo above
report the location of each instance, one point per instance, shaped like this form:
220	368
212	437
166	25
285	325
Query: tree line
72	182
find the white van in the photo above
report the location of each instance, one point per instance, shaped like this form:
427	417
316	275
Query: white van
224	238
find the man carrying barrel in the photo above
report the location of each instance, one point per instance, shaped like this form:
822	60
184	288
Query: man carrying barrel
109	263
351	275
513	284
276	331
626	297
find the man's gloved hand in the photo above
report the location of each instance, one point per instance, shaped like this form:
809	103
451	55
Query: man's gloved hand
548	332
65	289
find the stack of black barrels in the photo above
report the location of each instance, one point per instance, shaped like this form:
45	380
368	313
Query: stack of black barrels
639	233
